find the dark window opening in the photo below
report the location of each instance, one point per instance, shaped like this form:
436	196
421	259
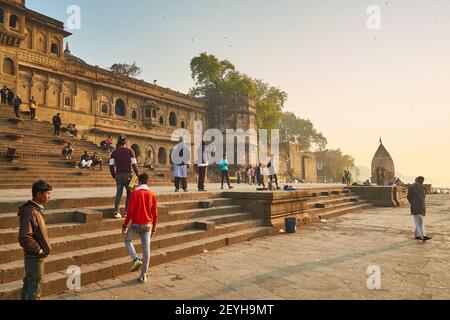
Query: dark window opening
14	21
120	108
173	119
54	49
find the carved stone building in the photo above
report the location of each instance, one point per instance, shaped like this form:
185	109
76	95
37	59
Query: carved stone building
296	164
99	102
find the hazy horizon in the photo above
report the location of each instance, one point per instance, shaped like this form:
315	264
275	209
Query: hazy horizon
356	85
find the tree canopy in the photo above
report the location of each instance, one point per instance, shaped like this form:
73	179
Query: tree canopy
332	163
301	131
127	70
214	77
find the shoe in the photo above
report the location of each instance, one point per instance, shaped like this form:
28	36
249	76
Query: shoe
185	190
135	265
118	215
143	279
231	188
418	238
426	239
177	190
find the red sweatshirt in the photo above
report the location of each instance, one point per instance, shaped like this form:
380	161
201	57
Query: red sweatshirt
143	207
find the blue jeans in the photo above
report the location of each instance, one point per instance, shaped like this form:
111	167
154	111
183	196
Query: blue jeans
144	232
122	181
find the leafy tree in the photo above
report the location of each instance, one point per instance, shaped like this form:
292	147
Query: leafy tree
301	131
220	78
123	69
332	163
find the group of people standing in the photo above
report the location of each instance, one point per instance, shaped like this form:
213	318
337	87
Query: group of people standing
9	98
255	175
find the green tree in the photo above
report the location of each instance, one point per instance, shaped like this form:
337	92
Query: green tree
214	77
332	163
301	131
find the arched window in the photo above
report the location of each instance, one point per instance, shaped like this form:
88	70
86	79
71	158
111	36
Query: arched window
134	115
154	114
150	154
54	49
68	101
161	120
14	22
104	108
29	38
41	43
2	16
173	119
8	66
183	125
121	108
162	156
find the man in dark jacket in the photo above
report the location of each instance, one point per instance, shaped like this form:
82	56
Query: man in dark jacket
57	124
10	97
4	94
33	238
416	197
17	104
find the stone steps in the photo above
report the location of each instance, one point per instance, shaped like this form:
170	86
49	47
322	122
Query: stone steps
185	228
56	282
13	269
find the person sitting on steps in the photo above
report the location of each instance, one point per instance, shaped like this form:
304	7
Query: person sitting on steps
67	151
85	162
96	160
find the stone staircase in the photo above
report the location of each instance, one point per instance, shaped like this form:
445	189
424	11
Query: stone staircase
87	236
39	157
91	239
331	204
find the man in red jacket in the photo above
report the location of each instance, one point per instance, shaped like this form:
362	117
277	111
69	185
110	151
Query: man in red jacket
143	216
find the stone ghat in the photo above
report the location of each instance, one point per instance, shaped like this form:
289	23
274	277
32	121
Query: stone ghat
83	232
38	156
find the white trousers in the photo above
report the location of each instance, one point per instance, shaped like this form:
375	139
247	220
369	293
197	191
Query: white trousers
85	163
420	229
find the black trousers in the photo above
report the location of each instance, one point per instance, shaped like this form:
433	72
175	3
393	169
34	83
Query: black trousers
276	179
17	111
201	178
3	99
180	182
33	114
57	128
11	101
225	174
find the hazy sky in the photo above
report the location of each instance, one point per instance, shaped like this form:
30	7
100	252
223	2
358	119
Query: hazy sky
355	84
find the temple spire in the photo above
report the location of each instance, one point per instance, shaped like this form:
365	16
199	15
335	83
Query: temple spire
67	50
381	141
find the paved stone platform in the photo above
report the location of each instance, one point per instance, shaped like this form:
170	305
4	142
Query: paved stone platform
324	261
13	195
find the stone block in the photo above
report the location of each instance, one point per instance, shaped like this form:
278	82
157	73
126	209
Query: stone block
206	204
88	216
205	225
